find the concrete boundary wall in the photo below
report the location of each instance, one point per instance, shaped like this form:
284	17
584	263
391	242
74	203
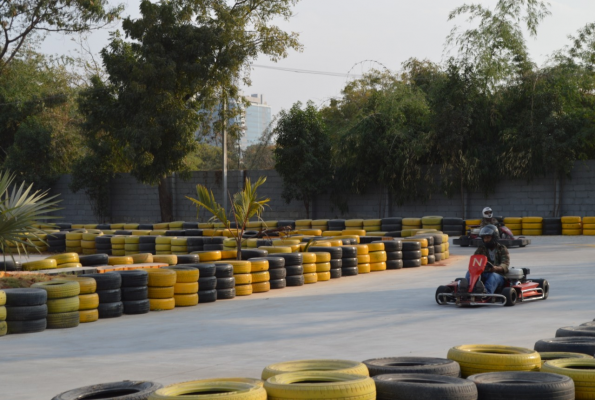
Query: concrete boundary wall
134	202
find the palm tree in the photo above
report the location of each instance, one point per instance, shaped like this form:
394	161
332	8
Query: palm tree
244	205
20	209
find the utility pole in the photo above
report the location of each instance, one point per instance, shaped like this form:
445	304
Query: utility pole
224	161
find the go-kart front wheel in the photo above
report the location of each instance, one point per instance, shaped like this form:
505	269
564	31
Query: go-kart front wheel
543	285
442	300
511	296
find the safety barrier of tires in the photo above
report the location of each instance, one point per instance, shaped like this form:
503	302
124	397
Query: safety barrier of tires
88	298
26	310
161	284
136	389
479	358
413	365
580	370
532	226
412	386
523	385
339	366
572	226
558	355
62	303
588	226
109	293
210	389
135	292
186	286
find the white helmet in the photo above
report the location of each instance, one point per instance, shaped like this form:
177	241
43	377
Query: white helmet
487	212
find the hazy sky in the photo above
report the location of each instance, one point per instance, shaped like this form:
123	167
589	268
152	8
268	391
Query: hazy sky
337	34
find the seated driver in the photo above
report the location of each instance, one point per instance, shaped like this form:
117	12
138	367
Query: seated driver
488	218
498	257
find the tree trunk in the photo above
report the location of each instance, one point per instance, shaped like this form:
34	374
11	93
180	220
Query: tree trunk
165	201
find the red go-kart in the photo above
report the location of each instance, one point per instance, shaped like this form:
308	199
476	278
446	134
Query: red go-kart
506	238
517	288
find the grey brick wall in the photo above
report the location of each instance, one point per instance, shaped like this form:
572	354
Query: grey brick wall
135	202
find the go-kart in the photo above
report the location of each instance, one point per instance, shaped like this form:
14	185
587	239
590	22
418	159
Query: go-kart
505	237
517	288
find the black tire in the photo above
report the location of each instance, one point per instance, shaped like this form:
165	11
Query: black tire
137	306
192	249
295	280
411	246
193	232
110	310
580	344
106	281
204	269
392	220
189	225
576	331
291	259
391	228
105	239
395	264
413	365
223	270
278	283
188	259
452	221
109	296
125	390
348	262
213	247
442	289
224	283
11	265
457	228
423	386
437	249
335	252
294	270
134	293
123	232
336	273
369	239
195	242
523	385
146	240
438	256
394	255
411	255
251	253
411	263
277	273
31	326
336	264
349	271
453	233
264	242
349	252
134	278
93	259
543	285
207	296
177	232
511	296
391	245
207	283
26	313
394	234
226	294
25	297
431	259
274	262
552	232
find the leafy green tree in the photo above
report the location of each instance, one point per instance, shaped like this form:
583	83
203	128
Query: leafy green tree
185	58
302	154
259	156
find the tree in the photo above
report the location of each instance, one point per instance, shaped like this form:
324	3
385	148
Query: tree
245	204
302	154
23	20
259	156
185	58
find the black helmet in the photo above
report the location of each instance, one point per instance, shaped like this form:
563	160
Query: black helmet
489	230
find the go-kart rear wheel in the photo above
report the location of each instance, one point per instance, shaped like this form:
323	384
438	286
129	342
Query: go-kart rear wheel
511	296
543	285
443	300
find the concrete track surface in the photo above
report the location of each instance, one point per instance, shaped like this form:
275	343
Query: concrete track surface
381	314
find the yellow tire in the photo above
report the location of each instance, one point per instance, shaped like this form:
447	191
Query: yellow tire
363	259
372	222
378	266
186	300
88	301
179	242
354	232
580	370
209	255
589	226
364	268
558	355
185	275
211	389
161	277
160	292
375	247
70	265
164	240
354	223
339	366
322	257
142	258
424	261
532	225
426	252
512	220
119	260
229	254
323	267
118	252
480	358
239	267
411	221
310	278
244	290
308	258
162	304
87	245
378	256
323	276
243	279
74	236
258	265
88	316
589	220
320	385
258	277
572	232
117	240
59	288
2	313
532	220
40	265
572	226
166	259
261	287
186	287
514	226
2	297
571	220
589	232
532	232
309	268
63	305
64	258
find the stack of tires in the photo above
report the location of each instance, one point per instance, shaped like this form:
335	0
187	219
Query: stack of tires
515	224
194	243
213	243
589	226
207	282
277	271
242	276
186	286
259	268
226	282
411	254
440	247
349	261
62	304
3	328
103	244
26	310
378	258
110	295
161	289
320	224
572	226
410	226
282	223
179	246
363	259
40	265
118	245
56	242
482	358
73	242
66	260
453	226
552	226
393	224
394	253
303	224
372	225
323	265
120	260
336	225
471	222
294	267
163	245
532	226
432	222
334	264
135	291
131	245
88	298
146	244
427	244
88	242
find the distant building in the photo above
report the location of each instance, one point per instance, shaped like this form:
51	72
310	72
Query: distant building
257	119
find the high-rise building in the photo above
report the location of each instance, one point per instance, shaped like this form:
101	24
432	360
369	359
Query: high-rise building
257	119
